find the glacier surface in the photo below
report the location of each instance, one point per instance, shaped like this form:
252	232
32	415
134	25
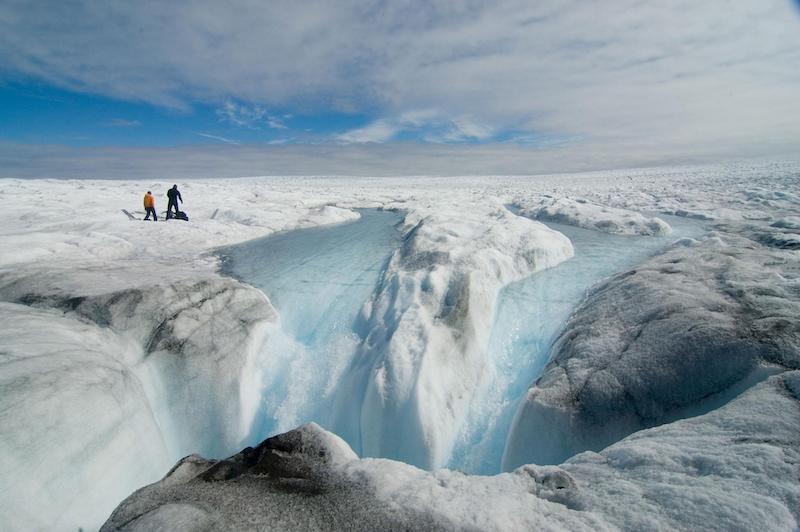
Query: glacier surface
125	349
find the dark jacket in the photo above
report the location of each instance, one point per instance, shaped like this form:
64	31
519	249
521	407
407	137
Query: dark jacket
174	195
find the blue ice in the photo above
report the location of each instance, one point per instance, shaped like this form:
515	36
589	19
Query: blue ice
318	279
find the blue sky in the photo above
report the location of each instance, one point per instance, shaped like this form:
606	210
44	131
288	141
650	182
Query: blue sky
548	86
35	112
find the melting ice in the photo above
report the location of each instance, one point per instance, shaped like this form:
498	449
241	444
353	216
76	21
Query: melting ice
320	279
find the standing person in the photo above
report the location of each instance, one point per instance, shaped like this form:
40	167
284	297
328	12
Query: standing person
150	206
174	196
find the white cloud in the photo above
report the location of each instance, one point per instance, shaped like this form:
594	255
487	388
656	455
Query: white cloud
432	126
466	129
378	131
710	75
249	116
275	123
242	115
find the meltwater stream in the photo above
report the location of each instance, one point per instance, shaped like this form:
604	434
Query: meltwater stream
319	279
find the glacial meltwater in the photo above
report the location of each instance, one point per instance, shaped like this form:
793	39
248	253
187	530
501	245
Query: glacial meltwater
319	280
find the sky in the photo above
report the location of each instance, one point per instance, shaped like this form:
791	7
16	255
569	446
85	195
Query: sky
205	88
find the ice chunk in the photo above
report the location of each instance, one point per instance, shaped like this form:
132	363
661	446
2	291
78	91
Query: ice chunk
309	479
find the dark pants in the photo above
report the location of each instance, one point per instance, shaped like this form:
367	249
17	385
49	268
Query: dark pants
170	205
151	210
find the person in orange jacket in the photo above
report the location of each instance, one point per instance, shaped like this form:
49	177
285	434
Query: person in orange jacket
150	206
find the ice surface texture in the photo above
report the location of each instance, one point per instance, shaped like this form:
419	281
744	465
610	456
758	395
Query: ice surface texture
582	213
686	325
707	472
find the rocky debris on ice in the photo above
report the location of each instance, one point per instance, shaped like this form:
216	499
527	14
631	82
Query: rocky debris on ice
428	325
309	479
648	343
734	468
582	213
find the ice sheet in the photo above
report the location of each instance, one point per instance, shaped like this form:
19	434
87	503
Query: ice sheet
54	257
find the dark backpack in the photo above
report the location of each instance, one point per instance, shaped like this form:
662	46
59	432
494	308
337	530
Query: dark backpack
180	215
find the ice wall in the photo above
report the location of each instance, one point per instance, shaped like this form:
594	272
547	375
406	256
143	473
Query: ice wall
318	279
102	392
530	314
77	434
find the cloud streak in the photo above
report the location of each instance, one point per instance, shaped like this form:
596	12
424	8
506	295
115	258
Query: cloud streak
217	137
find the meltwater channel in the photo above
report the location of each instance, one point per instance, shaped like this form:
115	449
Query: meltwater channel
318	279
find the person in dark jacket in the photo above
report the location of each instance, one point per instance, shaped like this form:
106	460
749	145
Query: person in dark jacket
174	197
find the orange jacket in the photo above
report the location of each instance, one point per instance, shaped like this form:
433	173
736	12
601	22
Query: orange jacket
149	201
